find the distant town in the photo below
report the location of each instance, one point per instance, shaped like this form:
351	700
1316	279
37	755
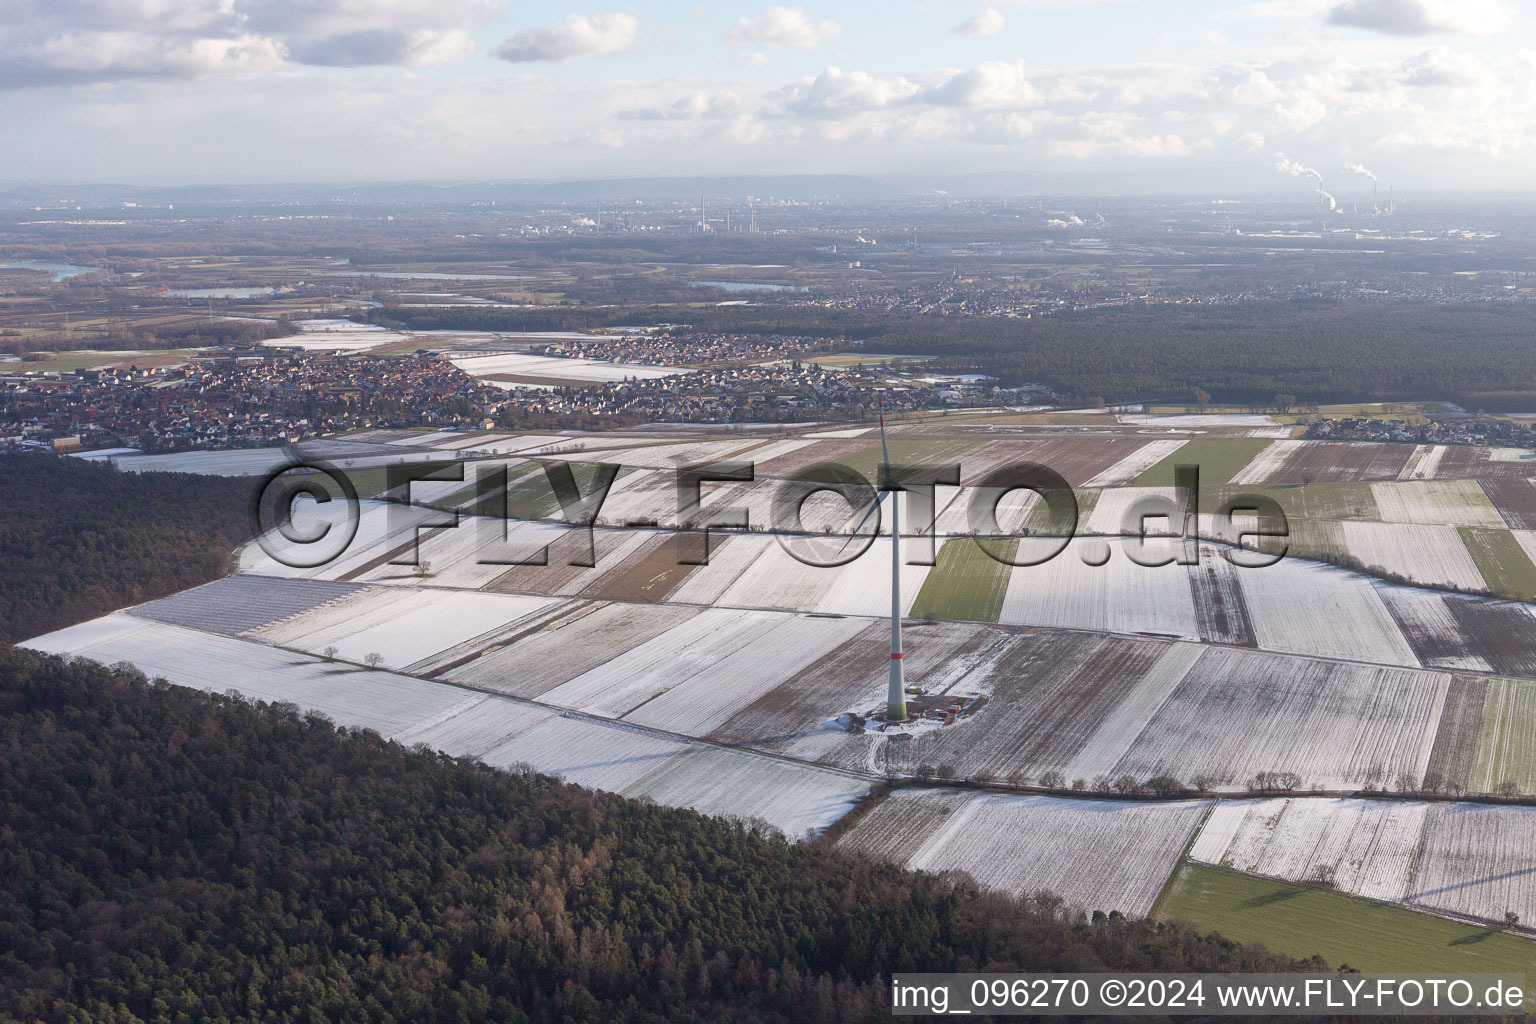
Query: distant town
261	397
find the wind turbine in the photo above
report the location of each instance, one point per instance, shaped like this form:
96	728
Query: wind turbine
896	694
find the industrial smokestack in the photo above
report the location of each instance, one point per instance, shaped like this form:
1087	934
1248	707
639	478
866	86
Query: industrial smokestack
1285	165
1365	172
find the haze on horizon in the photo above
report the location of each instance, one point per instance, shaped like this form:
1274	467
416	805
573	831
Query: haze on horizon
1090	95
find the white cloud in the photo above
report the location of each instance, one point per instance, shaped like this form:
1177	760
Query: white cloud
1409	109
419	48
836	93
1441	67
989	84
699	104
782	26
578	36
91	55
1423	17
317	18
988	23
62	42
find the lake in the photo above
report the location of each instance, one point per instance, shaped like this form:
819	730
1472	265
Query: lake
746	286
221	293
424	276
59	271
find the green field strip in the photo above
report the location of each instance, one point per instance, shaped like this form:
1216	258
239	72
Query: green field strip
1171	884
1301	921
1506	743
369	483
965	584
1330	501
1219	458
1506	568
529	495
532	497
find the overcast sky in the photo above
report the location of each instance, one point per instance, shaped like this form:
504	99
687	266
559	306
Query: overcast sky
1136	95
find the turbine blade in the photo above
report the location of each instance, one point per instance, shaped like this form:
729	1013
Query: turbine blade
856	529
885	454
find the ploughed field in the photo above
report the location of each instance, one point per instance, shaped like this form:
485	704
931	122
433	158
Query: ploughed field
1390	654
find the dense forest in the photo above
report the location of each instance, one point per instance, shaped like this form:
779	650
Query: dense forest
79	539
1481	356
1324	352
176	855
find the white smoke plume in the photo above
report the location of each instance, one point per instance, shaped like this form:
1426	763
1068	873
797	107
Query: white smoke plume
1328	200
1285	165
1360	169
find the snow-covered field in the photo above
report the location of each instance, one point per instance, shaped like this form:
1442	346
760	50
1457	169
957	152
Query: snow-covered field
341	335
1130	510
1309	608
1136	463
704	694
1443	502
777	579
1423	462
793	798
1423	554
555	370
1236	713
1366	846
698	673
349	694
1267	462
1475	860
1119	595
1429	623
1125	723
503	732
1096	855
229	462
840	434
475	552
402	625
1465	860
1506	748
380	527
1225	419
589	637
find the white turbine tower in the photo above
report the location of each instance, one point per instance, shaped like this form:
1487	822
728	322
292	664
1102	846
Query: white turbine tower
896	694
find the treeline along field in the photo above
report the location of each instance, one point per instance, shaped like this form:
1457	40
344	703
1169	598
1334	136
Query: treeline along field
1481	356
79	539
173	854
